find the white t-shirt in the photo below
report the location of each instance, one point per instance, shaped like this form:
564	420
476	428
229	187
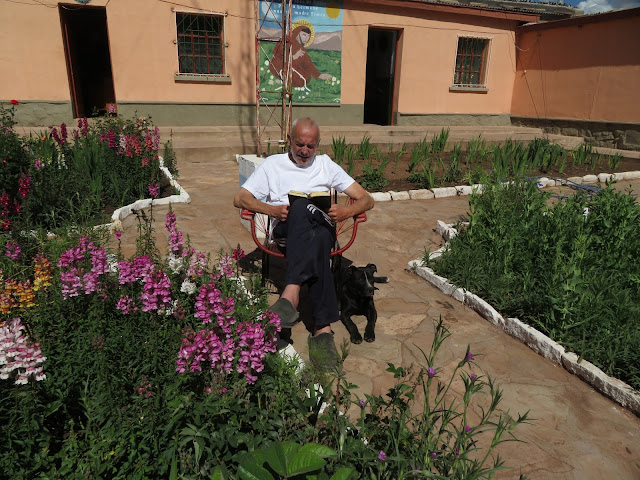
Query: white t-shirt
278	174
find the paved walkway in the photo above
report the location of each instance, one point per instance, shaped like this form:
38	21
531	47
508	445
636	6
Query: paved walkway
578	434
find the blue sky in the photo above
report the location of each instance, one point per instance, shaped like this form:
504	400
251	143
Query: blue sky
599	6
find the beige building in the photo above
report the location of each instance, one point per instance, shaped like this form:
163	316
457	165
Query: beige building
385	61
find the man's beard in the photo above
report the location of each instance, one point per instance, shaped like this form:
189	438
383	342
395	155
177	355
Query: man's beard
293	157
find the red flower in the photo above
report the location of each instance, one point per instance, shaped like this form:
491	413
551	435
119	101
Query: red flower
14	102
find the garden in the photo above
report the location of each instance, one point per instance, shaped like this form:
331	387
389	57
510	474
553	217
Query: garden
436	162
164	364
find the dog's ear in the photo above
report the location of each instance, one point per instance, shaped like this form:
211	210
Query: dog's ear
372	268
351	270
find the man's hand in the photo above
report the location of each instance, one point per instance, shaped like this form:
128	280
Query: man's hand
338	213
281	212
244	199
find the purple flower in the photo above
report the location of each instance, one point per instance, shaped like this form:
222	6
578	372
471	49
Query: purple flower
382	456
362	402
13	250
154	190
434	455
473	376
38	164
432	372
469	357
467	428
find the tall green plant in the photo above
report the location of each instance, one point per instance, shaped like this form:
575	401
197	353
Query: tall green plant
439	141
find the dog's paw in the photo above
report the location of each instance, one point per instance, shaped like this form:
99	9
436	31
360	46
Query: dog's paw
356	338
381	279
369	337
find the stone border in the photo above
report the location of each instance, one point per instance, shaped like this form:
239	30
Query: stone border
123	212
426	194
611	387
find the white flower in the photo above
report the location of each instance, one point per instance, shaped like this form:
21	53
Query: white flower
333	79
266	62
188	287
175	263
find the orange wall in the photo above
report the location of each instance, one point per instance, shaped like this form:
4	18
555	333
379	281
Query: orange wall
579	69
144	56
430	40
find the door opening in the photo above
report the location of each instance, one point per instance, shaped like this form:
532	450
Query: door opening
380	79
86	44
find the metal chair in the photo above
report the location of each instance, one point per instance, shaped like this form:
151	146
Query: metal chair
260	228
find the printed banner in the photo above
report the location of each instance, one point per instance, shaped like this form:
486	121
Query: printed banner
316	36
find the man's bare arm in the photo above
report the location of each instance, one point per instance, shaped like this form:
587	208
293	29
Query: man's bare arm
245	199
362	202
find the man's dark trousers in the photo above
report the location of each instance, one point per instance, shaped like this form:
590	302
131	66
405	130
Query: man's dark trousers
310	236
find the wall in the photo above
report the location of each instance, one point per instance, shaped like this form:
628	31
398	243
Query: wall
144	62
429	46
585	69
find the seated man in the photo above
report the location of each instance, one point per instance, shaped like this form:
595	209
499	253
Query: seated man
309	232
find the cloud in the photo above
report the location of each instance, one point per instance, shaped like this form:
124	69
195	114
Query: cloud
600	6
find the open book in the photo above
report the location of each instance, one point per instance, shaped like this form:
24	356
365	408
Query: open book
322	200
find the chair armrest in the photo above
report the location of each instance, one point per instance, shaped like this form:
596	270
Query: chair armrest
247	214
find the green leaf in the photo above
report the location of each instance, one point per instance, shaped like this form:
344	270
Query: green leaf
173	474
344	473
250	470
304	462
320	450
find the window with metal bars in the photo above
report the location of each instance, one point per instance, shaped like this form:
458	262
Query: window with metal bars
200	43
471	62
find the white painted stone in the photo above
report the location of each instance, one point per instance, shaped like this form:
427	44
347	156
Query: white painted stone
437	281
631	175
577	180
445	230
247	164
605	177
484	309
464	189
445	192
618	176
611	387
589	179
459	294
381	196
478	187
413	264
422	194
399	195
534	339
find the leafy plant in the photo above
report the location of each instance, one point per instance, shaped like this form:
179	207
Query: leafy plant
420	428
424	179
339	148
439	141
453	173
365	148
567	268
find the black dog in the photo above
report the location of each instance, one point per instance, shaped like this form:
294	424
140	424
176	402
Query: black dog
356	298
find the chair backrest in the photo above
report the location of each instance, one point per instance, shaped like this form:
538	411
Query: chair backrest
346	231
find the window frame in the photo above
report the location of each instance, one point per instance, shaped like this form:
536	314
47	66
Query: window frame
203	77
482	86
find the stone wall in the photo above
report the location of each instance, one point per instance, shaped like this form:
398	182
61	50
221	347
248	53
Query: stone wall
625	136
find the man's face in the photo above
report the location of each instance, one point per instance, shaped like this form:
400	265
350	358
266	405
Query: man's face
303	37
304	142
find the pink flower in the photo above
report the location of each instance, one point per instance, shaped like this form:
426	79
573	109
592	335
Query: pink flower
382	456
431	372
238	253
154	190
118	235
38	164
467	428
13	250
14	102
19	357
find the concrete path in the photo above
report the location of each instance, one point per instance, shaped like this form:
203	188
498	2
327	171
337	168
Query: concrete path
577	434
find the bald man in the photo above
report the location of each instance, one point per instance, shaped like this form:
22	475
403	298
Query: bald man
308	231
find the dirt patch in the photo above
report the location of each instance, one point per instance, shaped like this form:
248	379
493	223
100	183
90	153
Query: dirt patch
398	173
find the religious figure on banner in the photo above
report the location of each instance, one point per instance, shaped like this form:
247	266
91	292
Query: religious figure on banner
302	67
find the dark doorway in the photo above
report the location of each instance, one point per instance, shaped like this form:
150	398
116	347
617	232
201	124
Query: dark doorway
86	44
379	88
